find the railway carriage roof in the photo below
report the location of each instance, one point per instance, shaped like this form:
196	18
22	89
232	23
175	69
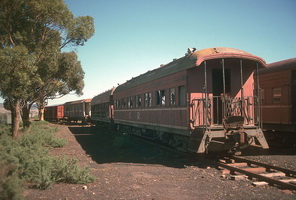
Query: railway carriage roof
225	52
78	101
56	105
191	60
102	97
280	65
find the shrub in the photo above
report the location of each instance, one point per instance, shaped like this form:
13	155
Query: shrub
31	160
10	182
4	129
48	170
67	171
42	136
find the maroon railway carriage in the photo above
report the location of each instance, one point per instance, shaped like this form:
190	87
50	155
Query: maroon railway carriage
79	110
204	101
54	113
278	89
102	108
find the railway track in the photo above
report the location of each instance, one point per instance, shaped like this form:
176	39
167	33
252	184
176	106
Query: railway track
259	173
239	167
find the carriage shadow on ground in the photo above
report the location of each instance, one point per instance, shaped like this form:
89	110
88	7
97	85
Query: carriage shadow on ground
105	146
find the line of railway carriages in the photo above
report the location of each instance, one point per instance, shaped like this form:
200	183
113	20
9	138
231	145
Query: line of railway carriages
79	110
204	101
208	100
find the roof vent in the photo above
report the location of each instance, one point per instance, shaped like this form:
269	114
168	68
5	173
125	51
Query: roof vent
190	51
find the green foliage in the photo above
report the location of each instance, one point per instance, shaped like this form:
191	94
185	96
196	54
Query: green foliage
10	183
70	71
4	129
48	170
17	71
38	122
69	172
33	34
41	136
28	159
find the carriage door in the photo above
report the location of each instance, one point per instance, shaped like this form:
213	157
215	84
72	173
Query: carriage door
218	90
293	96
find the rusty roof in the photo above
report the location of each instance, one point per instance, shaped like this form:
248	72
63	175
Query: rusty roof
224	52
188	61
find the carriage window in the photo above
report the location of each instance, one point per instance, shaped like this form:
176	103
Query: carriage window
160	97
138	101
122	103
118	103
148	99
276	95
182	96
172	97
130	102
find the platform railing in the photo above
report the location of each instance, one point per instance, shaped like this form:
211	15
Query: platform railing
220	107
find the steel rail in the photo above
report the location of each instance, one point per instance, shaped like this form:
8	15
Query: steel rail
284	185
267	166
260	177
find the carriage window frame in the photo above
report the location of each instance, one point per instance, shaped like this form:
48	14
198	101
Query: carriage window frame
182	95
138	101
148	99
160	98
277	94
172	96
130	102
123	104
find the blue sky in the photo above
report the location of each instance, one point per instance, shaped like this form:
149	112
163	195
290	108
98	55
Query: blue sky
134	36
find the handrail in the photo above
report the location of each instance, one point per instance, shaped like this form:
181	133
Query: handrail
213	110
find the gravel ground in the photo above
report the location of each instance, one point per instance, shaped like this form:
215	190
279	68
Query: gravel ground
128	168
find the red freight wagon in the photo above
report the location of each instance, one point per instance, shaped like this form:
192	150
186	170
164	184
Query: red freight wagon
204	101
54	113
278	89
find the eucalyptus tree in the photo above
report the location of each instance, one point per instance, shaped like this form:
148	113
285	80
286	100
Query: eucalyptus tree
16	75
42	28
67	77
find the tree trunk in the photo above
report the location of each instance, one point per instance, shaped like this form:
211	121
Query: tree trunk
41	106
26	115
15	117
41	113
